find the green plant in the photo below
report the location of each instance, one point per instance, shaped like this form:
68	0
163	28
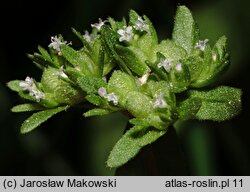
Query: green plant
123	67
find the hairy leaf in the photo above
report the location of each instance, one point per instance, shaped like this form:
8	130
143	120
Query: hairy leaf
131	143
188	108
38	118
121	83
185	32
218	104
138	104
171	50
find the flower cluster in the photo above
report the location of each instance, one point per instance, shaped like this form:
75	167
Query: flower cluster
201	44
127	34
29	85
110	97
122	66
56	43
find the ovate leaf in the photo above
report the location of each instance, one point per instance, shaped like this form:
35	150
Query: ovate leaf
218	104
27	107
185	32
131	143
38	118
171	50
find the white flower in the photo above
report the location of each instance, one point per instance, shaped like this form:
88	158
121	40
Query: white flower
88	37
141	25
29	85
56	43
166	64
160	102
201	44
61	73
37	94
110	97
126	34
142	80
102	92
178	67
99	25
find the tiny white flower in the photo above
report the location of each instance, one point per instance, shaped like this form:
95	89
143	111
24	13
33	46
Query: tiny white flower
178	67
99	25
142	80
201	44
28	84
88	37
102	92
166	64
110	97
160	102
126	34
141	25
37	94
56	43
61	73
